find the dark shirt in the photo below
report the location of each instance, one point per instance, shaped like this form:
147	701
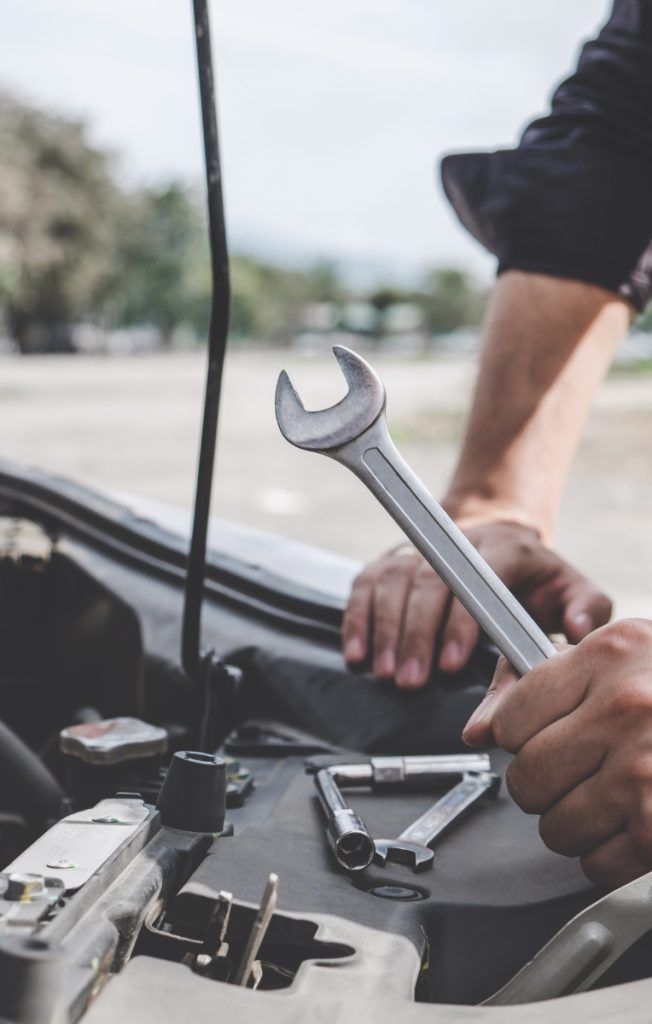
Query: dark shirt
574	198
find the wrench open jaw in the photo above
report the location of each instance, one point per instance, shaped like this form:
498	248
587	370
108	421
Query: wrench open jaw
323	429
400	851
354	433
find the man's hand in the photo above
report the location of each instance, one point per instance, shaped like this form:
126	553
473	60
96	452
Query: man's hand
399	610
580	726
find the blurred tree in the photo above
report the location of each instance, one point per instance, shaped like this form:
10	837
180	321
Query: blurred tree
74	245
57	220
268	301
450	300
382	299
323	283
161	273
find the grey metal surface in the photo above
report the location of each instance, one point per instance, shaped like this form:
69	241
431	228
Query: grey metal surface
113	740
585	948
78	845
376	984
354	433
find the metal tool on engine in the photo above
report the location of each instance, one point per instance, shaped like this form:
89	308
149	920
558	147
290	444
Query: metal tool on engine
416	771
354	432
264	914
345	830
412	846
353	845
212	962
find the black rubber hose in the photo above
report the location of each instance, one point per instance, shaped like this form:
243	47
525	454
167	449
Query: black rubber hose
217	342
26	785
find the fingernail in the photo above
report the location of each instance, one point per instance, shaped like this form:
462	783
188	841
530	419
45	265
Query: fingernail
354	649
481	713
582	621
410	674
451	657
385	664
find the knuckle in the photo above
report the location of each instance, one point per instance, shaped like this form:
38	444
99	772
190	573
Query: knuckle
365	579
501	731
595	870
639	775
640	829
603	608
520	780
617	640
632	699
395	570
552	835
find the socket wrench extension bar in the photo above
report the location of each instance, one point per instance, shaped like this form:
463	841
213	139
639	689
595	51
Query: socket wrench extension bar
414	771
354	432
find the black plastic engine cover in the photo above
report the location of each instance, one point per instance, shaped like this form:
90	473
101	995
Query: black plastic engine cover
492	898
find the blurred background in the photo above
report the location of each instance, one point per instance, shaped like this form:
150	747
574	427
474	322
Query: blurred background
333	118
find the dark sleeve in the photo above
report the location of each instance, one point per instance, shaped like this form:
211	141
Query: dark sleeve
574	198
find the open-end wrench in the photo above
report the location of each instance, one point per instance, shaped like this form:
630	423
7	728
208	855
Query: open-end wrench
354	432
412	846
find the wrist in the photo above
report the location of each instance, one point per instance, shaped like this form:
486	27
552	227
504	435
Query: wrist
470	509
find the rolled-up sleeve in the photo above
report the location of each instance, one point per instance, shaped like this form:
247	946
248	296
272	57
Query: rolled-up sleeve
574	198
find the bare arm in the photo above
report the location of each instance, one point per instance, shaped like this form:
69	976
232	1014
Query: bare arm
548	343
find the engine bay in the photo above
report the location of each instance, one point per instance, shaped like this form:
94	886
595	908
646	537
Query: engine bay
105	895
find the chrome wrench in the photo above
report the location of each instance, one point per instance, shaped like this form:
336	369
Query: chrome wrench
443	814
354	432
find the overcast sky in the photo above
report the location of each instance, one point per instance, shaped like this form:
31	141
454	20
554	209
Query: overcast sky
333	112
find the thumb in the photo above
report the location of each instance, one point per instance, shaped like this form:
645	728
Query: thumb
477	731
586	609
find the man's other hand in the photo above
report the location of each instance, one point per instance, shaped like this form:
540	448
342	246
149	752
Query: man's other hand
400	613
580	726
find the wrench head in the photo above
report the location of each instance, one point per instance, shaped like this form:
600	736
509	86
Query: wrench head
400	851
324	429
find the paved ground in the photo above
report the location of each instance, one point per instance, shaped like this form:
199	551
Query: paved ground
131	424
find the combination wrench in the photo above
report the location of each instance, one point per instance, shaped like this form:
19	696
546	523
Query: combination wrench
354	432
412	846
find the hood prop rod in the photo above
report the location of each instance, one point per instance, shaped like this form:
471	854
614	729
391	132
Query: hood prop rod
206	668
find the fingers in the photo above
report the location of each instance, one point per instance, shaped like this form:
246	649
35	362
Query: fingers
389	601
397	607
547	693
562	756
615	862
426	606
459	638
585	609
477	731
587	817
356	624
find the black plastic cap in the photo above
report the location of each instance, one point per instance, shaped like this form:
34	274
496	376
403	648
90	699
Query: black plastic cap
193	796
31	981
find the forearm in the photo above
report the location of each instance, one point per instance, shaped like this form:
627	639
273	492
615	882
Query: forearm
548	344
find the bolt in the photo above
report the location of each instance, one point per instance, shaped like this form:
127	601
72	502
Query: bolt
24	887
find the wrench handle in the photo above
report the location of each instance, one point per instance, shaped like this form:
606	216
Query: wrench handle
450	808
373	457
